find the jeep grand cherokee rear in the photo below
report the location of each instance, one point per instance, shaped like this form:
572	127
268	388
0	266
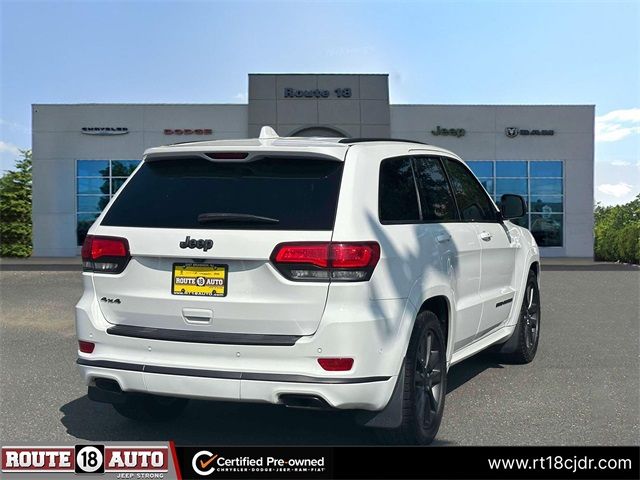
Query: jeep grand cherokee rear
318	273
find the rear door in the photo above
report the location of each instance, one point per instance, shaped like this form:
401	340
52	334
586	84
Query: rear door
498	253
458	246
201	233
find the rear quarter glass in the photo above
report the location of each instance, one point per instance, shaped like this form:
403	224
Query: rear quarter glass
301	193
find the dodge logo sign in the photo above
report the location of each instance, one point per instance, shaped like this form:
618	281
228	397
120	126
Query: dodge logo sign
188	131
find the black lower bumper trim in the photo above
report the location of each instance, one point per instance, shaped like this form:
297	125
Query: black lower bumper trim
195	372
195	336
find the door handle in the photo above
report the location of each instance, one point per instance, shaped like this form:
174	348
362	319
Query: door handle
197	316
486	236
443	237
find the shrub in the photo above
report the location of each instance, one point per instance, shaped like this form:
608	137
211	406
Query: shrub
15	209
617	232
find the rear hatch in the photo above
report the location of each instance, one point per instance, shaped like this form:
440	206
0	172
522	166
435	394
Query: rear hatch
201	232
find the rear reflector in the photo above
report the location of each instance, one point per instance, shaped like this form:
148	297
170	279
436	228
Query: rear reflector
336	364
105	254
326	261
86	347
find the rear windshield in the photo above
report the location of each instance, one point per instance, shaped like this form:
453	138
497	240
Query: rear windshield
286	193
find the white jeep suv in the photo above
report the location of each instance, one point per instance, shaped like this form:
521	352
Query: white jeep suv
309	272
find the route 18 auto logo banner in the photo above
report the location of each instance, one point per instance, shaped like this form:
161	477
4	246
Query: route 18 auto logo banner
130	461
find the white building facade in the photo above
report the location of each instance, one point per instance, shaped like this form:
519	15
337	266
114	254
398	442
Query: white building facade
82	153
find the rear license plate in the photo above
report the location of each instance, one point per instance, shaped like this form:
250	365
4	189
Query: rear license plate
202	279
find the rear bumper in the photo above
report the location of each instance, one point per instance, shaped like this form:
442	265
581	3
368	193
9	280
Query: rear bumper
375	337
368	395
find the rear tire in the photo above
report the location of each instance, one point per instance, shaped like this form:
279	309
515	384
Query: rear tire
150	408
522	346
425	384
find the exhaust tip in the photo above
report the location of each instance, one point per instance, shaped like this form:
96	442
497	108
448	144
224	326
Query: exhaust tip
311	402
108	384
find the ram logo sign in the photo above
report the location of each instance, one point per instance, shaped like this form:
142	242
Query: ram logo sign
512	132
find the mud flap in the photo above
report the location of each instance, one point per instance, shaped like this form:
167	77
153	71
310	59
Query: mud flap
391	415
511	345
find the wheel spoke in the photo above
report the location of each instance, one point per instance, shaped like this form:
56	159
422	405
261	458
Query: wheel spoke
436	389
436	376
426	408
434	361
420	357
433	403
532	301
530	334
427	357
421	406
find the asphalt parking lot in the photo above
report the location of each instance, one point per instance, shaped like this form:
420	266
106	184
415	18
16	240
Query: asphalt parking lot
582	388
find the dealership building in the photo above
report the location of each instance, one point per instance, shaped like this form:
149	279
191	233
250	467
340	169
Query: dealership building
82	153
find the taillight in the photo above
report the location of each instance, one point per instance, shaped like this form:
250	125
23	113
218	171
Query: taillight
105	254
326	261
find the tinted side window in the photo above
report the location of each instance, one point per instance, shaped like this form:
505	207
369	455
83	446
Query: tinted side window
436	198
397	196
473	202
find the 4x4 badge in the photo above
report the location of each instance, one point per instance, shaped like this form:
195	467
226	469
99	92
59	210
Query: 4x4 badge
203	244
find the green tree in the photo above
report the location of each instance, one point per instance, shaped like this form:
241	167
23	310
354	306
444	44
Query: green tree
15	209
617	232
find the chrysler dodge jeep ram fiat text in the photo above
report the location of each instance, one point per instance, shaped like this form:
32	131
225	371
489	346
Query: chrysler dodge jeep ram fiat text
309	272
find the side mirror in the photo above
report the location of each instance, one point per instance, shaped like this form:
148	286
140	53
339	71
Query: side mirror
512	206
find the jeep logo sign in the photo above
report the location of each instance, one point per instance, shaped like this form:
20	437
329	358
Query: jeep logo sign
202	244
451	132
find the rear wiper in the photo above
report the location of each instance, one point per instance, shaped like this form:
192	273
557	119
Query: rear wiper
234	217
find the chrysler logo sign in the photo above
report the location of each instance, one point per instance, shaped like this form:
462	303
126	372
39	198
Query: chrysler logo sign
105	130
513	132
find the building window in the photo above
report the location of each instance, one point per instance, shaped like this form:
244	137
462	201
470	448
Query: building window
96	182
540	183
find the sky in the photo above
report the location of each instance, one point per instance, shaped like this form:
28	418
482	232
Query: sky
447	52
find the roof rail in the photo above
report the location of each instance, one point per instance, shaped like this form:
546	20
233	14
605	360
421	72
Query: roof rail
373	139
